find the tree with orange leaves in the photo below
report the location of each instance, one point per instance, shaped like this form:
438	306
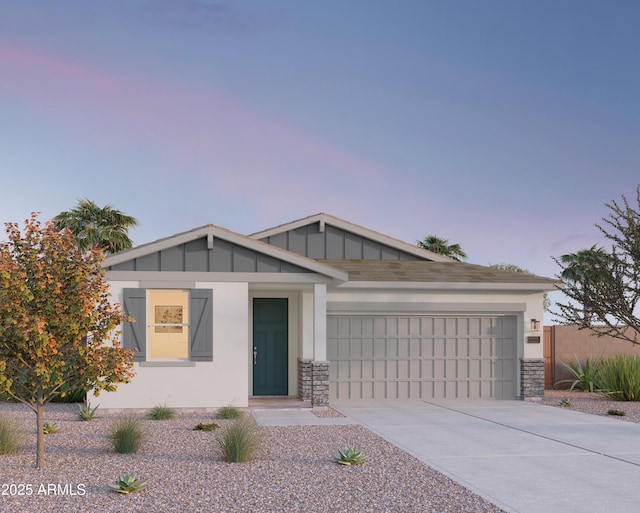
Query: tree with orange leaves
57	326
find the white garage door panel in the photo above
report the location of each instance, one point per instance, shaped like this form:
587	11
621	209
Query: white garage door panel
421	357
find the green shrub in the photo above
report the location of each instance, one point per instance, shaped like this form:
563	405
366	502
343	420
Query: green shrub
85	412
619	413
206	427
238	441
75	396
565	403
126	434
162	413
10	435
228	412
619	377
584	378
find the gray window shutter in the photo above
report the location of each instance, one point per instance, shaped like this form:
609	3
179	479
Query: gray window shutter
201	325
134	333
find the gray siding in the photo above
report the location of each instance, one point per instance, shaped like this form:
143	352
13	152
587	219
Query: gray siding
194	256
334	243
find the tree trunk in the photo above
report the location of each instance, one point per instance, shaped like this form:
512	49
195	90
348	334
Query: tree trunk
40	434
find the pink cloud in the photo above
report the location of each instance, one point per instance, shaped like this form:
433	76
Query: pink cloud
199	128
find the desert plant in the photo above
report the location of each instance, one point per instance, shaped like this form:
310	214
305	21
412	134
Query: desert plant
350	456
10	435
127	483
49	428
565	403
238	441
126	434
206	427
86	412
228	412
584	378
162	412
619	413
619	377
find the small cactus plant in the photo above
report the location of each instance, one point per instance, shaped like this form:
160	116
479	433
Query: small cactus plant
350	456
127	483
565	403
619	413
49	428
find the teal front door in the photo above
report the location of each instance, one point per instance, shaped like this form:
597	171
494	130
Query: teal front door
270	346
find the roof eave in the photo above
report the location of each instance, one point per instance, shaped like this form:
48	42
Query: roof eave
426	285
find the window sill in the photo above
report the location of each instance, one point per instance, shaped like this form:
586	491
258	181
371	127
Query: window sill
167	364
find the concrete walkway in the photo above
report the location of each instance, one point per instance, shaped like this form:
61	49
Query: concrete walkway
294	417
523	457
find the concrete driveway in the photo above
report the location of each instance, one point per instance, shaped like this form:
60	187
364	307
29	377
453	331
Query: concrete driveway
523	457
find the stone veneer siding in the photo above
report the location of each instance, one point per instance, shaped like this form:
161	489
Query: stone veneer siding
319	383
532	377
304	379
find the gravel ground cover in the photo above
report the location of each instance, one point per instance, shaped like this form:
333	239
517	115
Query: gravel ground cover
592	403
294	471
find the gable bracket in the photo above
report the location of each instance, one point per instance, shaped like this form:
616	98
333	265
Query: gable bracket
210	240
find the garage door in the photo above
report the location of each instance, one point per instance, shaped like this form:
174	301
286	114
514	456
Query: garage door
421	357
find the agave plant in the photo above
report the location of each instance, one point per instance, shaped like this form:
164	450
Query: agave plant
86	412
50	428
350	456
127	483
583	377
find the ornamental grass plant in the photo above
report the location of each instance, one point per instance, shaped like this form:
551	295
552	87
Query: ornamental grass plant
619	377
238	441
10	434
126	434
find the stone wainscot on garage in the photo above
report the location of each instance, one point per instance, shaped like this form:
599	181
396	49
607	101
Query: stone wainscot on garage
324	310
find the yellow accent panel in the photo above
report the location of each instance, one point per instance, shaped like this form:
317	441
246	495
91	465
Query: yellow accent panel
168	331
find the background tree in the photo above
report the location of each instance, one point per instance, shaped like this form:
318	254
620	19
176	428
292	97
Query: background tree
515	269
608	297
55	317
585	269
92	226
441	246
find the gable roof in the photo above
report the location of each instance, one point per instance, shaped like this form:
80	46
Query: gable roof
422	272
212	232
326	219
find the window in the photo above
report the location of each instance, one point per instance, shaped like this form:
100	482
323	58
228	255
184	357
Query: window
169	324
168	329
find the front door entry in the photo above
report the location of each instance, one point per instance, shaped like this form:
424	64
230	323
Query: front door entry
270	346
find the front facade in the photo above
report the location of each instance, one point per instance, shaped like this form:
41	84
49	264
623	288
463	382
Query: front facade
324	310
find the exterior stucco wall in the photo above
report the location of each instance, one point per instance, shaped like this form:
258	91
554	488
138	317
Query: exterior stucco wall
222	382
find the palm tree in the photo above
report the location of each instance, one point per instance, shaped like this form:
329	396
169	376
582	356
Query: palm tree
93	226
441	246
586	268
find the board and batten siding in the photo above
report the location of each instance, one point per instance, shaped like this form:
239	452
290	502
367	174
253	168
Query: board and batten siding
195	256
334	243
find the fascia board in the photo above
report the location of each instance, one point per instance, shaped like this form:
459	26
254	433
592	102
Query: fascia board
358	230
168	277
227	235
523	287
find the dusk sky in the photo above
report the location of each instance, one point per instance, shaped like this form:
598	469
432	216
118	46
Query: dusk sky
504	126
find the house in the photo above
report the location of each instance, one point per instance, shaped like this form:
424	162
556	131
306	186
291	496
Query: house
322	309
